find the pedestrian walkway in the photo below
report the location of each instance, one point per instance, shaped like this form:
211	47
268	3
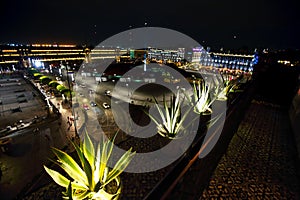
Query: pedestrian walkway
261	160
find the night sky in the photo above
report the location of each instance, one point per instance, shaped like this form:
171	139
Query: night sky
214	23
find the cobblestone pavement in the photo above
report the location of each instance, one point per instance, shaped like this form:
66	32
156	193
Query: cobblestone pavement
261	160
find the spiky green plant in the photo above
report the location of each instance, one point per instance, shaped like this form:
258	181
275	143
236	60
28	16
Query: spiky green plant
90	177
222	92
201	99
170	121
223	88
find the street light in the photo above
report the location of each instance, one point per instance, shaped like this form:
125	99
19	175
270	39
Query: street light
68	80
127	89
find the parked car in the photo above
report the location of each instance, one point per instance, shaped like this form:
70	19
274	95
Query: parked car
106	105
93	104
107	92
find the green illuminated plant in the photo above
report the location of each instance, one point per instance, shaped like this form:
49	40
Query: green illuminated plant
223	88
89	178
201	100
170	121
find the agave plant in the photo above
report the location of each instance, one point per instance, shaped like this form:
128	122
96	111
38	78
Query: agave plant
227	85
202	98
89	178
170	121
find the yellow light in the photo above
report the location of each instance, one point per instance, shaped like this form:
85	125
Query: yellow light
67	45
8	50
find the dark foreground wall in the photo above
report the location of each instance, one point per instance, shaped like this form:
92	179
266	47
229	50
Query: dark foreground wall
295	119
180	183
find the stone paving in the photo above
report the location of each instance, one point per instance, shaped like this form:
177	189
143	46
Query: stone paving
261	160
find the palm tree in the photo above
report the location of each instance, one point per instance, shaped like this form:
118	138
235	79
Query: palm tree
90	178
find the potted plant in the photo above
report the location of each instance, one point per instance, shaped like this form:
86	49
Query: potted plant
90	178
202	98
170	121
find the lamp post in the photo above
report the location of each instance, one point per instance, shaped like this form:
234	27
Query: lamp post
127	89
69	85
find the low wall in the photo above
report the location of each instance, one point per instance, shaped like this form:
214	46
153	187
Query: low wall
167	188
294	113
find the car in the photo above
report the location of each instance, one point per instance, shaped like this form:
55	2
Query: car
106	105
93	104
107	92
85	106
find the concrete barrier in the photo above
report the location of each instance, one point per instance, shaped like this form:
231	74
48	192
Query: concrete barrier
294	113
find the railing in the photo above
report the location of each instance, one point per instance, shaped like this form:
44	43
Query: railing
166	188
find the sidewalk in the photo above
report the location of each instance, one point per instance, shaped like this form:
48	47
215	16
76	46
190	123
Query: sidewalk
71	123
260	162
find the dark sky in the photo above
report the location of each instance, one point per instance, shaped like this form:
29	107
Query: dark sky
214	23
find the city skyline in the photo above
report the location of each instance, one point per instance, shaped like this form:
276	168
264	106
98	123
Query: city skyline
230	24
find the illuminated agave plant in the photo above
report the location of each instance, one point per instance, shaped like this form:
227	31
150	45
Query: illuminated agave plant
201	100
90	178
170	121
227	86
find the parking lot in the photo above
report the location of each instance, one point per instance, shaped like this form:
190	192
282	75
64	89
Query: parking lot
26	135
19	103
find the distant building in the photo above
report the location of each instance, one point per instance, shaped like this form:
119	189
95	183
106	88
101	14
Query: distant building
37	54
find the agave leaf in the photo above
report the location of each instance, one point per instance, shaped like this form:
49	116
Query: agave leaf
86	166
104	195
67	163
103	161
110	144
176	116
69	192
82	195
177	98
97	165
179	125
106	152
167	115
161	113
120	166
162	132
89	150
57	177
62	180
